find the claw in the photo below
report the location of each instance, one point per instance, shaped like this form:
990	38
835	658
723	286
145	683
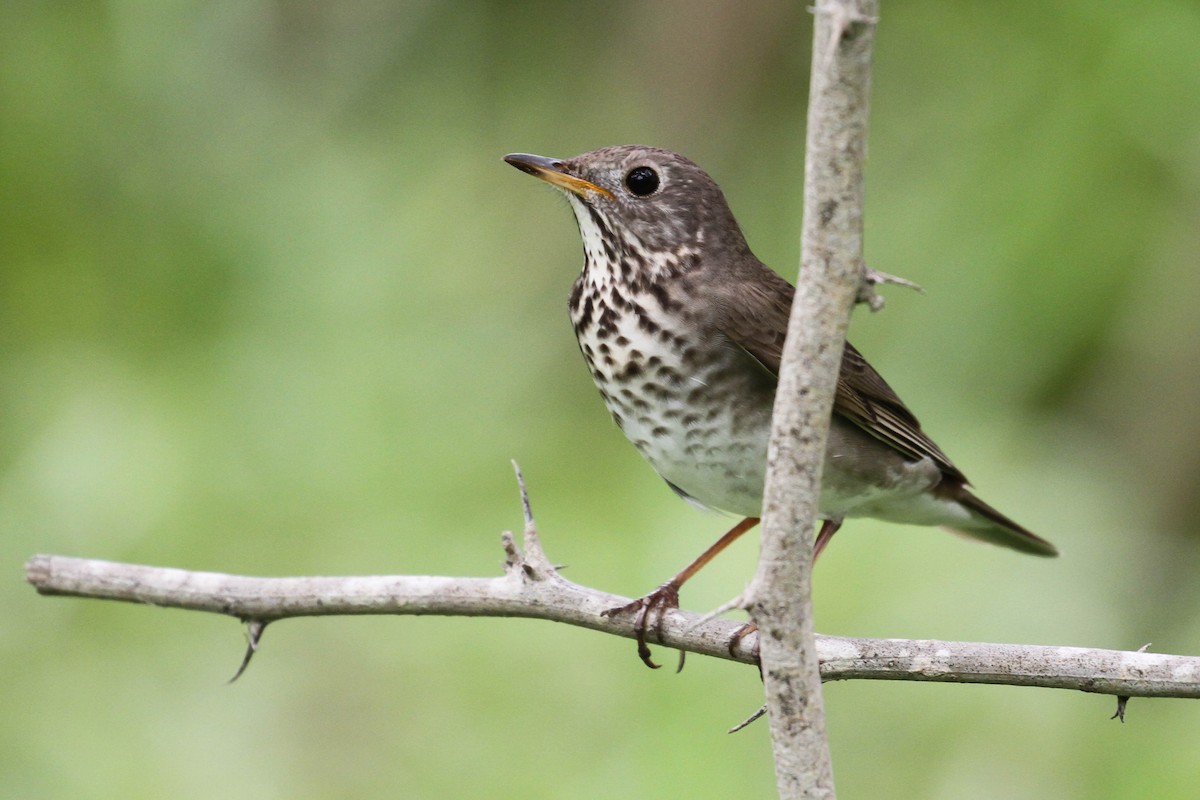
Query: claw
655	604
666	597
742	633
734	641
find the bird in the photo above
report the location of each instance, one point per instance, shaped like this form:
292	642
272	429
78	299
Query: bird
682	329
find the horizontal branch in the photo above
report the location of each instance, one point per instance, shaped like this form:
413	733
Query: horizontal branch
532	588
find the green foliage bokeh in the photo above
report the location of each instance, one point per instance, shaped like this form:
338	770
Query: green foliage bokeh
272	304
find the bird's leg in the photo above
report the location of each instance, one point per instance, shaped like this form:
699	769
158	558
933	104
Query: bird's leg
828	528
666	597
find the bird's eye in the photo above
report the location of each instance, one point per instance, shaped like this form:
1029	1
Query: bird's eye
642	181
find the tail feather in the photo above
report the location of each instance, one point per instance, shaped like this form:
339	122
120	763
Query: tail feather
991	526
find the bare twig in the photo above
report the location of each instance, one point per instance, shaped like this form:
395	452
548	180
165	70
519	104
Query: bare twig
831	280
516	594
532	587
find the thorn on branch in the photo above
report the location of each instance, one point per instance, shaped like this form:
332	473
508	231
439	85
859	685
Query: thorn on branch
254	632
512	556
756	715
871	279
533	562
1123	699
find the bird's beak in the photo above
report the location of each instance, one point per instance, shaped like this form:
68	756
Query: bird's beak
553	172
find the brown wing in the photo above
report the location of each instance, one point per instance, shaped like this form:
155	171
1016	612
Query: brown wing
865	398
755	315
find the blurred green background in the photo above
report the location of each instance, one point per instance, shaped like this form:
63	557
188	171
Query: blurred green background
272	304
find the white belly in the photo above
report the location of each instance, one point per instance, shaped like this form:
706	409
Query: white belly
691	421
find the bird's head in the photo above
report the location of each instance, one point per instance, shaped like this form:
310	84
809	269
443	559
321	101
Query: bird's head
639	200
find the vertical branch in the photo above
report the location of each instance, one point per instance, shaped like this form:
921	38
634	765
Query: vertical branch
779	598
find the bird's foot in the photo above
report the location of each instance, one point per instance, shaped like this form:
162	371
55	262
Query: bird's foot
654	605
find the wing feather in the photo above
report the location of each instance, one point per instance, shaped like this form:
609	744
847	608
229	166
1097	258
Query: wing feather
754	316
